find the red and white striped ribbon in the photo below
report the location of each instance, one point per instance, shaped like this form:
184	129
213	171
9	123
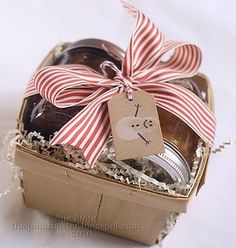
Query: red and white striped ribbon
142	69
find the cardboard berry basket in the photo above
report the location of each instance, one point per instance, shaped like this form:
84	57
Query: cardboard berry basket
128	211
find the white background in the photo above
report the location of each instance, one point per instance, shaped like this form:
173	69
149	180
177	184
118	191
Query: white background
29	29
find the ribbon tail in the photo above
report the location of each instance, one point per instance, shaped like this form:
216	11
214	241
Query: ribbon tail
186	106
90	129
87	132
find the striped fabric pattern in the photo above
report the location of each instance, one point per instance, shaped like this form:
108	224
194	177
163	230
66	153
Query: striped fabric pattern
143	68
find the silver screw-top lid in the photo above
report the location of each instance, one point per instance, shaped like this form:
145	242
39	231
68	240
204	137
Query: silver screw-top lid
107	46
173	162
171	165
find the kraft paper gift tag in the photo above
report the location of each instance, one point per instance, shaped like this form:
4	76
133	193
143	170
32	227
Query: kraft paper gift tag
135	125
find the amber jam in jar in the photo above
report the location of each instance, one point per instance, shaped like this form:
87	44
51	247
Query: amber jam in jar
180	140
40	115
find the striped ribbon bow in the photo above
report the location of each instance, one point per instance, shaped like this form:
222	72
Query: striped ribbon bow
142	69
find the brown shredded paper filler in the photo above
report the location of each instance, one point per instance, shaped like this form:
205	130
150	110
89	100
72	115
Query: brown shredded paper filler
140	173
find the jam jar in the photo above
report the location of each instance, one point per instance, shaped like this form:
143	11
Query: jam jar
42	116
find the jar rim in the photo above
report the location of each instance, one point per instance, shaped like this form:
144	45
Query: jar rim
107	46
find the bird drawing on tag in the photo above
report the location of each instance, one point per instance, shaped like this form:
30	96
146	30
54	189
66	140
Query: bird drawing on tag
134	127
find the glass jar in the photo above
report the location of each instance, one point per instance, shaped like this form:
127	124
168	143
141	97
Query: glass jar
40	115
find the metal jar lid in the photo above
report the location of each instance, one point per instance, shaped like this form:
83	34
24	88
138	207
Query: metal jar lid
112	49
173	163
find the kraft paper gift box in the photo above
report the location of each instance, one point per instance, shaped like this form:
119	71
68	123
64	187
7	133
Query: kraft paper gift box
124	210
